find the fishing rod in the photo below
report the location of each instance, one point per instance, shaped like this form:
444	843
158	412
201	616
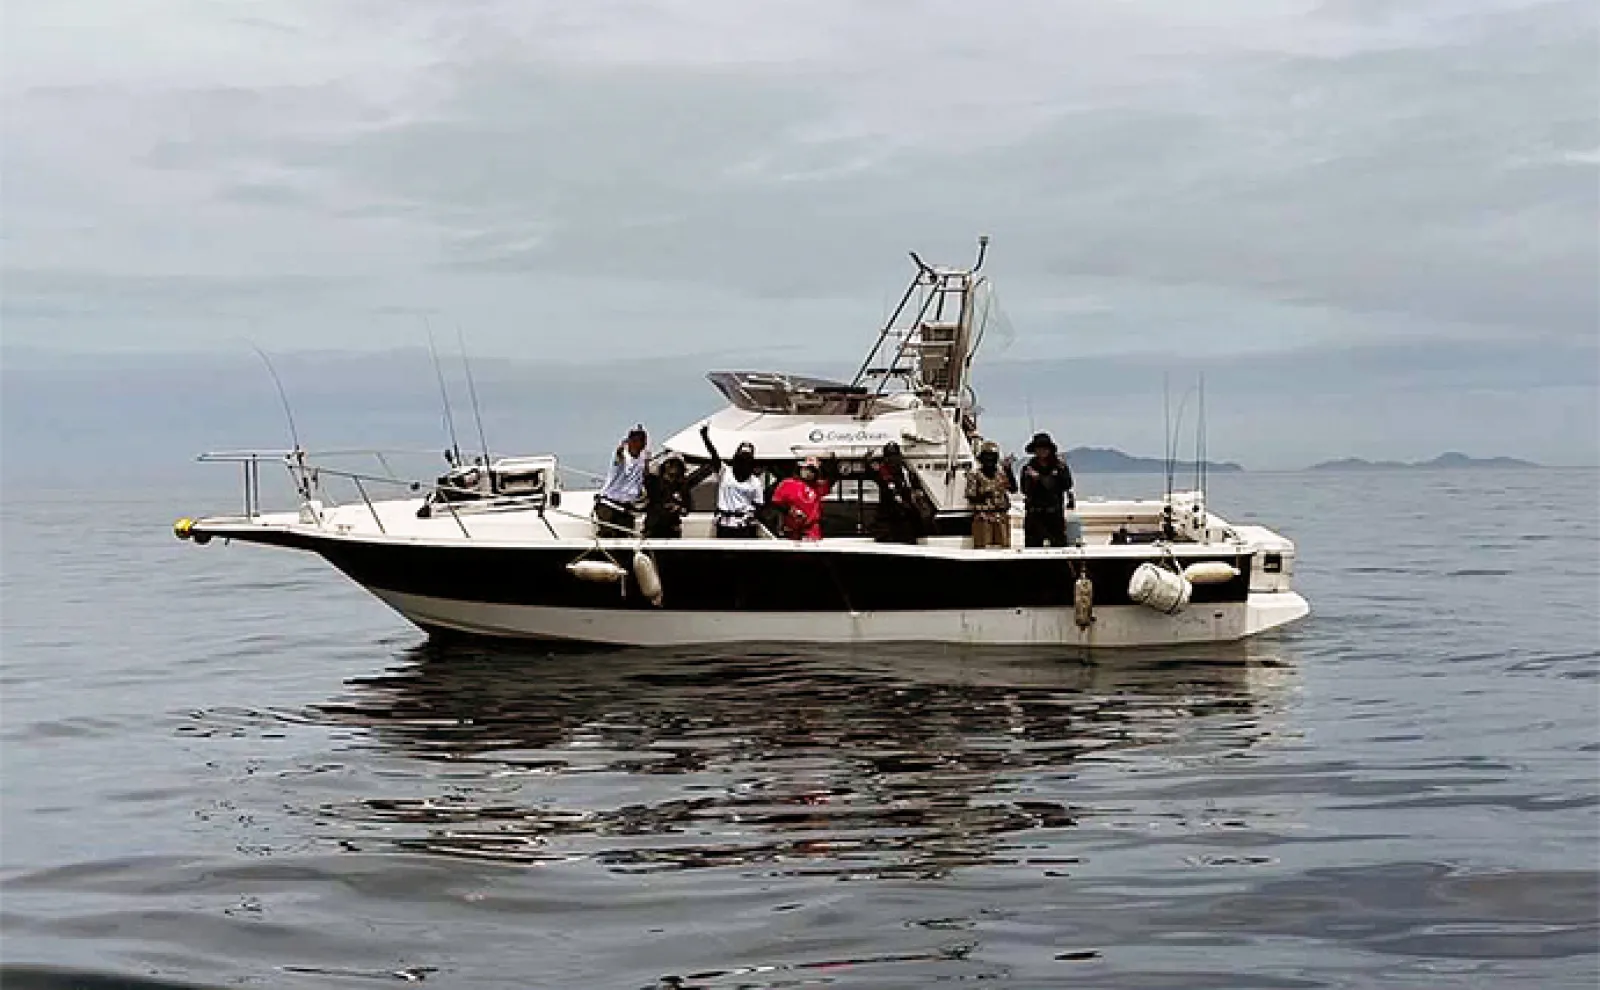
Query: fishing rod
297	470
1205	443
444	395
283	396
1173	443
472	390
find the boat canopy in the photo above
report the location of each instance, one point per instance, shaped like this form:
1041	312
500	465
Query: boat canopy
794	395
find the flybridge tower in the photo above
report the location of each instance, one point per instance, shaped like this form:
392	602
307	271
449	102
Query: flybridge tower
927	345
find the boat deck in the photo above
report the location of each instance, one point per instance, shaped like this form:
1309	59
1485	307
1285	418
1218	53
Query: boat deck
572	520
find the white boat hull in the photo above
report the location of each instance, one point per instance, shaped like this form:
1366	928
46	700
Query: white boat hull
1117	626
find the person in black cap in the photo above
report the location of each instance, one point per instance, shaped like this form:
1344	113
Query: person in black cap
897	519
740	491
1047	488
622	494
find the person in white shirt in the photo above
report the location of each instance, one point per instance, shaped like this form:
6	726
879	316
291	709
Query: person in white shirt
621	495
740	493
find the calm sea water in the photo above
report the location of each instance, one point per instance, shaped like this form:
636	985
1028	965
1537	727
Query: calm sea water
227	766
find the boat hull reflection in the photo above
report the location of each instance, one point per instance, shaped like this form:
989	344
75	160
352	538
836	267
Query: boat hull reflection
890	762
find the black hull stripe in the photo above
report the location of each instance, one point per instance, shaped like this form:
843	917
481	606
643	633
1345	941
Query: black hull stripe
709	578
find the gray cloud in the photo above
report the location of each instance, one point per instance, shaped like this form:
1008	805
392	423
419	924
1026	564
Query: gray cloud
1164	182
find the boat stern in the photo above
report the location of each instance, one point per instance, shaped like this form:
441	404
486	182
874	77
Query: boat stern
1271	609
1272	600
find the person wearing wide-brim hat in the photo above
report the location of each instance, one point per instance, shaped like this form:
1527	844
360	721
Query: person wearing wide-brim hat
1047	490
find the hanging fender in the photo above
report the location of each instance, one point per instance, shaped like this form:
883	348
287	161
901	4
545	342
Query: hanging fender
1210	572
1083	601
1163	590
596	571
647	577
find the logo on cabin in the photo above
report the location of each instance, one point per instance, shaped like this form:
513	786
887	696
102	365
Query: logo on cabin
850	436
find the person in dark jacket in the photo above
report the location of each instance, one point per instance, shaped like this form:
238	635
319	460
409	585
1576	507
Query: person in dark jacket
667	487
1047	488
899	517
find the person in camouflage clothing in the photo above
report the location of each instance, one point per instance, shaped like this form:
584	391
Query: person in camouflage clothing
989	491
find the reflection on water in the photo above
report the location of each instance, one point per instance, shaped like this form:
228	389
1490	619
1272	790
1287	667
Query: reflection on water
909	761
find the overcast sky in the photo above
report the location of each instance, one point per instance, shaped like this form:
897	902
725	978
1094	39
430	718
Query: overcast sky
1165	181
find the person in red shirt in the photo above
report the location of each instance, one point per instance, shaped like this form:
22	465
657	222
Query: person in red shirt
800	500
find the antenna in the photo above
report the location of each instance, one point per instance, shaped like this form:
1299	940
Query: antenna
983	249
449	420
1166	428
282	395
472	390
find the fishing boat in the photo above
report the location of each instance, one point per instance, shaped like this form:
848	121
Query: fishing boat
503	548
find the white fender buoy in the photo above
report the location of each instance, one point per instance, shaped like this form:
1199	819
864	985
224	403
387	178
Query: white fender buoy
596	571
1083	602
647	577
1160	589
1210	572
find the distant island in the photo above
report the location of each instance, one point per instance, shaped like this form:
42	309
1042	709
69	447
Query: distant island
1109	460
1106	460
1447	460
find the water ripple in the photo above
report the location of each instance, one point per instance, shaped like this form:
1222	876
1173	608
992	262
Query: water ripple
274	783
